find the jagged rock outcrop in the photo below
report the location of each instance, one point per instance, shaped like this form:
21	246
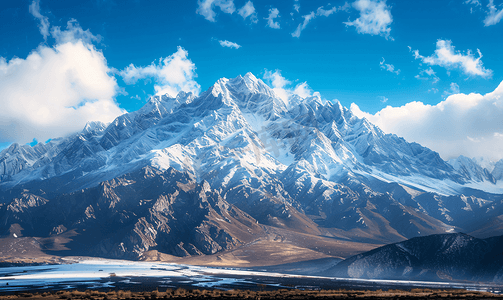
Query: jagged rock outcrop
132	214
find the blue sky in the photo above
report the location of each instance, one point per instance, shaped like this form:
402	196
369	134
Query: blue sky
66	62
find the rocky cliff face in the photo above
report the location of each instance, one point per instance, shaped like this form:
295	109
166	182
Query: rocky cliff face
135	213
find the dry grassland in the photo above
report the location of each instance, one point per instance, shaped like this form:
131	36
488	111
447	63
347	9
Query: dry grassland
247	294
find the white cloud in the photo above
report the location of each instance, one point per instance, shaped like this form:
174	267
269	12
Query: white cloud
273	14
473	2
248	10
172	74
54	92
445	56
494	15
389	67
383	99
302	26
375	18
44	21
462	124
296	6
303	90
229	44
280	86
454	88
428	74
73	33
205	8
319	12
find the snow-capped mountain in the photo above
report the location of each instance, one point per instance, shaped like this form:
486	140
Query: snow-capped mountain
243	115
304	164
471	169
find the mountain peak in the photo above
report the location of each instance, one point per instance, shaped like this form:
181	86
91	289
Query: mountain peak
250	76
249	84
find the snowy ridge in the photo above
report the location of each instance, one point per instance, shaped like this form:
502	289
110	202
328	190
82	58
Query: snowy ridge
243	114
305	157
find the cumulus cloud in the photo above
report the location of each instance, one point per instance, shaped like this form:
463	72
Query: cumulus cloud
278	83
303	90
206	8
389	67
282	86
446	56
44	21
248	10
375	18
319	12
172	74
273	14
462	124
494	15
229	44
54	92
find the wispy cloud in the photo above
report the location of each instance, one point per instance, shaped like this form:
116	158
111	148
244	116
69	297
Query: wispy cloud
302	26
389	67
446	56
248	10
73	33
473	2
273	14
453	89
229	44
428	74
312	15
34	9
375	18
206	8
494	15
296	6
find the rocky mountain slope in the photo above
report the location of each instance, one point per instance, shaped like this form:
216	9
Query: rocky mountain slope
435	257
134	213
304	165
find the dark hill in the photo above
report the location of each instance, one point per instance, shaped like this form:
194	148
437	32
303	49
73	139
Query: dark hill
455	256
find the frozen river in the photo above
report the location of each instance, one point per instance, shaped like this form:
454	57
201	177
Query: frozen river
139	276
